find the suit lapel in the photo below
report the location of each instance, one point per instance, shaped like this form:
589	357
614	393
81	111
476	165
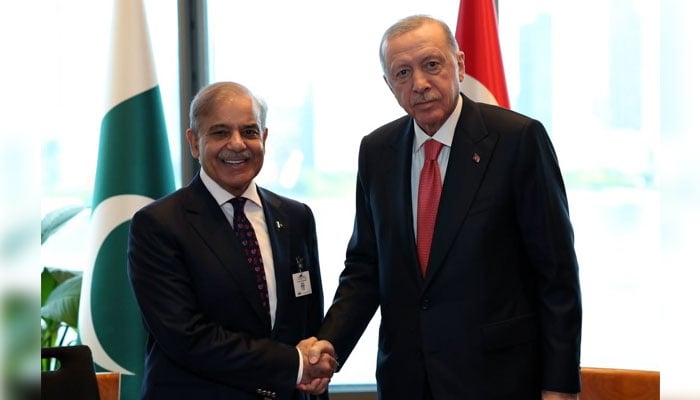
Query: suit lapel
470	154
210	223
399	161
278	229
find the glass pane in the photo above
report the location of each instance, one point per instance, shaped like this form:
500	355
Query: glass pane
678	170
596	91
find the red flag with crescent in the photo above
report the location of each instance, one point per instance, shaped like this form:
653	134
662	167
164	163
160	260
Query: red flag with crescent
477	36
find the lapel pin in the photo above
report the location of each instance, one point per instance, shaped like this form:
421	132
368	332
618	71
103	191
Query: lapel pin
476	158
279	225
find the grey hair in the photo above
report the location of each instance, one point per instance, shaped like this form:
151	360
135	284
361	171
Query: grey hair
204	99
412	23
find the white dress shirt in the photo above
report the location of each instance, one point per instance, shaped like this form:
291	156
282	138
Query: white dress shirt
254	212
444	135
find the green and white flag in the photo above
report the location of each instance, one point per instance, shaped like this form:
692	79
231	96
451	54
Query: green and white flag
133	168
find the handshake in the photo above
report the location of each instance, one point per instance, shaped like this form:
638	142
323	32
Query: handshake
319	365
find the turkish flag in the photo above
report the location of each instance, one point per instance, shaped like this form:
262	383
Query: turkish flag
477	36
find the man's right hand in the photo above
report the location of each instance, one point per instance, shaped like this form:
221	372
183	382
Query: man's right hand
319	365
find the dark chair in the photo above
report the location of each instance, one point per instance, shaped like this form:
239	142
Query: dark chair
75	377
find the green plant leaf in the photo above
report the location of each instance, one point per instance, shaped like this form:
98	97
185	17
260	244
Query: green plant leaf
56	219
51	278
60	288
48	284
63	302
49	332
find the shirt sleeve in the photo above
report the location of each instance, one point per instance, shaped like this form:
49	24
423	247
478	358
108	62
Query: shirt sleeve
301	367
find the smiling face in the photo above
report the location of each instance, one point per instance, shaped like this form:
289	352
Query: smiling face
424	73
230	141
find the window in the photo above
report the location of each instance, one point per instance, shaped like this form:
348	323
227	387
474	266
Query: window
596	91
614	82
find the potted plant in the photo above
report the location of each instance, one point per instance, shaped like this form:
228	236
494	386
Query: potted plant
60	289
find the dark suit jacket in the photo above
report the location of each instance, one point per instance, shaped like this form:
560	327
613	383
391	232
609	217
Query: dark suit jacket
498	315
208	334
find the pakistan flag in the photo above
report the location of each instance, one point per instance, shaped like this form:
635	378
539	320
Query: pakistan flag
133	169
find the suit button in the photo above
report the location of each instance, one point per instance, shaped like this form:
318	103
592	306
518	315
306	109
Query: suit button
425	304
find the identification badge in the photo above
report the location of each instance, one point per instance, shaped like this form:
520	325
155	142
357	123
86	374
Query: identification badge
302	284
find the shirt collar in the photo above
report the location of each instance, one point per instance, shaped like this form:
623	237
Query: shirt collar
222	196
446	132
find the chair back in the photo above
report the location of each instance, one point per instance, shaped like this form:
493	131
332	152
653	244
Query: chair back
75	377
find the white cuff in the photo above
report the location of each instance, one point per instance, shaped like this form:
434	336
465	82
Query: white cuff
301	366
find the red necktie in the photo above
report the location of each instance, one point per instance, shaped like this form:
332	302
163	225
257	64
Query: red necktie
429	190
245	233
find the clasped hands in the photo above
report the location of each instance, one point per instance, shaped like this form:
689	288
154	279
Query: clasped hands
319	365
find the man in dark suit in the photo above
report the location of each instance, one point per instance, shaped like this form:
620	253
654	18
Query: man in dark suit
490	307
225	272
